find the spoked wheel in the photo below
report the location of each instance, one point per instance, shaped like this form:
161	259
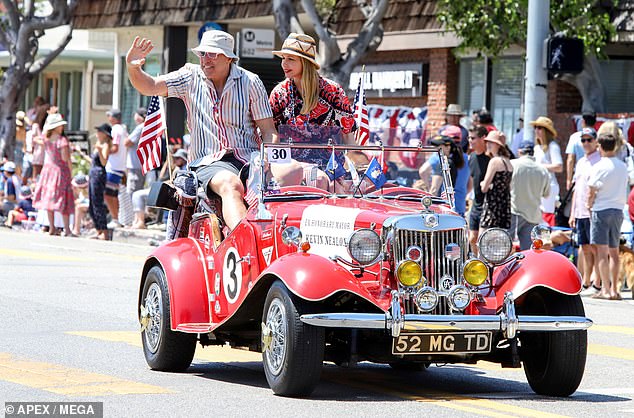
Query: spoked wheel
292	352
164	349
554	362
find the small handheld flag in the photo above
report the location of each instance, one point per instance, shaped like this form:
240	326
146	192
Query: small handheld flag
375	173
334	168
361	114
149	148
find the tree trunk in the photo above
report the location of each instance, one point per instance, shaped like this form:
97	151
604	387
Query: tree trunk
590	85
11	93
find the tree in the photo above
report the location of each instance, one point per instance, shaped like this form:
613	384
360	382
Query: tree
335	64
22	23
492	26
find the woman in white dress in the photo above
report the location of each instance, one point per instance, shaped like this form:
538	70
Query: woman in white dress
548	153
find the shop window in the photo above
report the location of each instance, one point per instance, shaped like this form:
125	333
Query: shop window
471	89
619	85
507	77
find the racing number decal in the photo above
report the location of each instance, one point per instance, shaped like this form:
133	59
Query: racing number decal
232	275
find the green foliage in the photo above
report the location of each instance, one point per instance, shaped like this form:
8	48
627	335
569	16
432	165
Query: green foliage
491	26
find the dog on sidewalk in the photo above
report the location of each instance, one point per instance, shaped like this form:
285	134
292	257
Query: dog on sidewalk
626	270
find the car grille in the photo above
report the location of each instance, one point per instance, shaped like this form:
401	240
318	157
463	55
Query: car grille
433	262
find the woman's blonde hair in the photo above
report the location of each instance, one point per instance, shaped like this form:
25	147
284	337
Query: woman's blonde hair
309	87
611	128
548	138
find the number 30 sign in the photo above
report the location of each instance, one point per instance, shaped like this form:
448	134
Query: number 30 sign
279	155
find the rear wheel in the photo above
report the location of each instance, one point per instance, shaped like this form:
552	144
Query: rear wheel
554	362
164	349
292	352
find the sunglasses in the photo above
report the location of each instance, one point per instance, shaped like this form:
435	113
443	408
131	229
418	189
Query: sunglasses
539	128
584	140
210	55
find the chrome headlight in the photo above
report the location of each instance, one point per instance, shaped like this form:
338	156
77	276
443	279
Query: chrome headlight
364	246
495	245
426	299
459	298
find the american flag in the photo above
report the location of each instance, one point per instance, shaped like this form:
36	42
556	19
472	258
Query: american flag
149	148
361	114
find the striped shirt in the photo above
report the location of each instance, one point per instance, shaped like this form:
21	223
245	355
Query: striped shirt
218	124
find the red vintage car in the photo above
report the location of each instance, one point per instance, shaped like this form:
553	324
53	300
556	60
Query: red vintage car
377	274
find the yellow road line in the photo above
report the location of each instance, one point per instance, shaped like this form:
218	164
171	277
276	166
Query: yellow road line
612	329
68	381
214	353
611	351
38	255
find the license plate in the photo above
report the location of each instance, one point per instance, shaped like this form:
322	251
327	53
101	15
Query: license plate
442	343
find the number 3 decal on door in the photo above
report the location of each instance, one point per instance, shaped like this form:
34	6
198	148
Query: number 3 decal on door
232	275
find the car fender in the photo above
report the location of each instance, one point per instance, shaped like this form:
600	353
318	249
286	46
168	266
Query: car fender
538	268
301	271
182	262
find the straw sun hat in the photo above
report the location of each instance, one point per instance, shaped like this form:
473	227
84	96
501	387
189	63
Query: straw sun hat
300	45
545	123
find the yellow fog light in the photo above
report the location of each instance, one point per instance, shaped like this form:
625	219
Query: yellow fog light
475	272
408	273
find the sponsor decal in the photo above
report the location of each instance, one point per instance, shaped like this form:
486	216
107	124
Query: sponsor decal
232	275
327	229
217	307
217	284
207	242
267	234
266	253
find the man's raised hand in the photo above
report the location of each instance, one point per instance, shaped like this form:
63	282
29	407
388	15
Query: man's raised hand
140	48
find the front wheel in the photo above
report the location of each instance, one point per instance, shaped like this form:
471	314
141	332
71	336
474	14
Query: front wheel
164	349
292	352
554	362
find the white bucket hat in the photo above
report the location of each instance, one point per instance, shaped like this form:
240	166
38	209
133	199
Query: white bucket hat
218	42
53	121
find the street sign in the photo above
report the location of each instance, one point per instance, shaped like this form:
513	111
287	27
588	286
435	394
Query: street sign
257	43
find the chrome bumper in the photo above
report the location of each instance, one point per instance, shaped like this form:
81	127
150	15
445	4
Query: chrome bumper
506	322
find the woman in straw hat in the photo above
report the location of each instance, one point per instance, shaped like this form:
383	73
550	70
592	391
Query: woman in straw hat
548	154
305	98
496	186
53	192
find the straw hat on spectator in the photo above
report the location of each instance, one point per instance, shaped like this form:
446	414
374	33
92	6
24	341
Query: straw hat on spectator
545	123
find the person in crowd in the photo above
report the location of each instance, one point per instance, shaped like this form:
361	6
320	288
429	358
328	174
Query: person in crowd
306	99
116	165
496	186
529	183
139	198
21	212
606	199
579	213
433	168
575	149
518	138
97	180
10	187
485	119
135	180
41	112
21	125
82	202
461	181
548	154
226	106
452	117
478	164
53	191
624	151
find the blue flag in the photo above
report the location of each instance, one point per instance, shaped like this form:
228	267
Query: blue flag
334	168
375	173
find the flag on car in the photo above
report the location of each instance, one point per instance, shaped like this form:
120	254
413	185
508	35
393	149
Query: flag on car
251	197
334	168
375	173
361	114
149	148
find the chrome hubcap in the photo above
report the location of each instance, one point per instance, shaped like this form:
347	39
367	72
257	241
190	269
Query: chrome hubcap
274	336
152	317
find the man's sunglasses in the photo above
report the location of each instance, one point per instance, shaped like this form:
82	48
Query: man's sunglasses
210	55
584	140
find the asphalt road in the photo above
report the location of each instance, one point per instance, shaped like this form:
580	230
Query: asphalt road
69	334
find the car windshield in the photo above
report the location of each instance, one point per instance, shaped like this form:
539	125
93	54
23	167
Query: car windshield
315	161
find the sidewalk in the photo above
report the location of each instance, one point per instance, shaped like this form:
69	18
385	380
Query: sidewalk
138	236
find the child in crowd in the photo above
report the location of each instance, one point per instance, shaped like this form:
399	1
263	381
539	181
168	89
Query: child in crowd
80	191
21	212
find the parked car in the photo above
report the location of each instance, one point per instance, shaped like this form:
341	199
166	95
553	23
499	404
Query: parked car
374	274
